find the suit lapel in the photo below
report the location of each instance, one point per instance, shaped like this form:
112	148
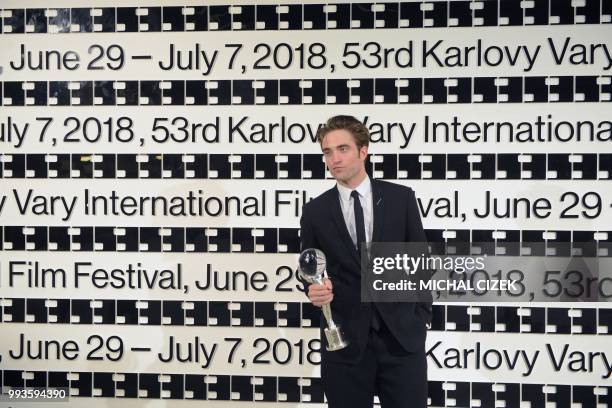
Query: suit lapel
338	218
378	205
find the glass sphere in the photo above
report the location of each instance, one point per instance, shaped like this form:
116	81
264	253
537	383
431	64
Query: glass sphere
312	263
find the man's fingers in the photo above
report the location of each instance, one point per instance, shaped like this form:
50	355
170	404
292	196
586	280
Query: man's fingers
321	303
320	295
322	298
318	289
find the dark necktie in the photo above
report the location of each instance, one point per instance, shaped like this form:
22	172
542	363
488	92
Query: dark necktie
359	224
361	238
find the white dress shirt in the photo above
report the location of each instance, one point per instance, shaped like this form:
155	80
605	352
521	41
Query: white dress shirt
346	203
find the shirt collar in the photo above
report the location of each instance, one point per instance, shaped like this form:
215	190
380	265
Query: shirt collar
364	189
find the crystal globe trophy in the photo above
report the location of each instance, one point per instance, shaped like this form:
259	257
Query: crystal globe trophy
312	268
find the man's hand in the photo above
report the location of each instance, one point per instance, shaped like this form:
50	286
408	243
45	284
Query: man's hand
320	295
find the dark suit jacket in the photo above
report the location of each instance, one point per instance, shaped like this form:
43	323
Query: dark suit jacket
396	219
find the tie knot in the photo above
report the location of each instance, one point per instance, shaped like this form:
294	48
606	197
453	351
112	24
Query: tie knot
355	194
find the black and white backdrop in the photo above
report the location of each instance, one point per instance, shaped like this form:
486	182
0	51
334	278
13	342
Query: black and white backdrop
155	155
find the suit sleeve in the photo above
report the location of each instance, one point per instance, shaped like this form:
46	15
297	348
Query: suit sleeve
416	233
307	238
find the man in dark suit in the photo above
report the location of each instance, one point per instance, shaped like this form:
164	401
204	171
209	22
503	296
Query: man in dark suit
386	351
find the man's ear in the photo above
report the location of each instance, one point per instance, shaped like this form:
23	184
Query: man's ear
363	152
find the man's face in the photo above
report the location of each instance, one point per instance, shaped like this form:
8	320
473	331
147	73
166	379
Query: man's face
343	159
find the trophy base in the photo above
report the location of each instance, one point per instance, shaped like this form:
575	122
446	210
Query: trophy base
334	339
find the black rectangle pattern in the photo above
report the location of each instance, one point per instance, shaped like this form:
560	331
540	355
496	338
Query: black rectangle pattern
400	166
358	91
149	312
222	387
392	15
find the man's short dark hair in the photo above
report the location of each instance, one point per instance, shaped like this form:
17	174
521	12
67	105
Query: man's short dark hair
360	133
